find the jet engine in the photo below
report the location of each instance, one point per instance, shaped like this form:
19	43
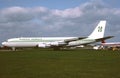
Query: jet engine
43	45
57	43
50	44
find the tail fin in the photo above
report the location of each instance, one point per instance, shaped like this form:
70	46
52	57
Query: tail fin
98	31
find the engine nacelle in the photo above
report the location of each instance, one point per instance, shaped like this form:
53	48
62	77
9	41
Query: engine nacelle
57	43
50	44
42	45
54	43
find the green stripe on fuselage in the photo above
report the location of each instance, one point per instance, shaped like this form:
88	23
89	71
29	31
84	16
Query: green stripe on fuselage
34	40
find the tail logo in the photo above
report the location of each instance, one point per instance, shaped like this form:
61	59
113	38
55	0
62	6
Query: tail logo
100	29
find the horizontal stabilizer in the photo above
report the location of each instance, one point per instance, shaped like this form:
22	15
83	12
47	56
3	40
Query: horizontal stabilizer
104	38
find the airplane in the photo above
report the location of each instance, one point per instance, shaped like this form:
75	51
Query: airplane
111	45
59	42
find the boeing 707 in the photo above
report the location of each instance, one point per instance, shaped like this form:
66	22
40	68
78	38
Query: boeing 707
59	42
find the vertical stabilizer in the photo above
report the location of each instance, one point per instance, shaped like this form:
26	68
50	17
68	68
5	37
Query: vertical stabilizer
98	31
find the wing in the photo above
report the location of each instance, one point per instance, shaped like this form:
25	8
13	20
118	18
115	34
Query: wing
74	39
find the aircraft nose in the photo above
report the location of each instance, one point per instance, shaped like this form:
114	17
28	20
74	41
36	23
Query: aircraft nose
3	43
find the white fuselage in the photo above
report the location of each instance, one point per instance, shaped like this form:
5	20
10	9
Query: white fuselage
31	41
35	41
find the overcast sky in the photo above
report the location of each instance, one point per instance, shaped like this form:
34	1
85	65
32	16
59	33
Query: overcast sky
36	18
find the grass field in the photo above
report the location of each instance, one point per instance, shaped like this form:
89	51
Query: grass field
39	63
